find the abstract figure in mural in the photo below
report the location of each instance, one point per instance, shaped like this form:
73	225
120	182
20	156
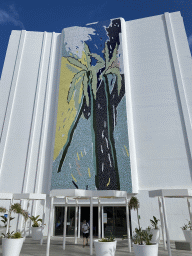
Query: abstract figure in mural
99	104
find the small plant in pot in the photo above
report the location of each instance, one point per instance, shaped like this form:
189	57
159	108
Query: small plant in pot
187	231
37	228
12	242
154	222
3	228
142	245
105	246
155	231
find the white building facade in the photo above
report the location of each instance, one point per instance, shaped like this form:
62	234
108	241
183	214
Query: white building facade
159	103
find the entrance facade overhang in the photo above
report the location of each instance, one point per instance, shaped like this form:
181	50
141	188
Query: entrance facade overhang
102	197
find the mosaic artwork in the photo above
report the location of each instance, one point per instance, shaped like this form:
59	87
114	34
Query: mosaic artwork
91	148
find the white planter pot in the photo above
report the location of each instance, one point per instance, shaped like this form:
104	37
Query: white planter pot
156	235
105	248
37	233
188	236
145	250
12	246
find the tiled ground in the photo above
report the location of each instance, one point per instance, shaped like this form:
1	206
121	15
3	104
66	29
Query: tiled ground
34	248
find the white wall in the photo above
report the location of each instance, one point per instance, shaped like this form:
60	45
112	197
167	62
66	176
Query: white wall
160	78
162	159
28	97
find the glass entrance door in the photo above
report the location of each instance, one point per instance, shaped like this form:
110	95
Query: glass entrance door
116	221
59	221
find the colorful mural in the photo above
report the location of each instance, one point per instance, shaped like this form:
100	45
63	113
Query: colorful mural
91	141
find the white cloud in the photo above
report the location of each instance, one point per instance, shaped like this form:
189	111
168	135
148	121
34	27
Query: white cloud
190	41
74	38
10	17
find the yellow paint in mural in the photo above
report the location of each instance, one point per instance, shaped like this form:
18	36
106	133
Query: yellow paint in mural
73	177
108	182
126	150
78	156
81	154
66	112
89	172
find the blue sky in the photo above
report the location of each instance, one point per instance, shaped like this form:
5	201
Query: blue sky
55	15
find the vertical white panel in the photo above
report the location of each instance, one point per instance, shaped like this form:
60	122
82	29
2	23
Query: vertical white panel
36	132
11	84
129	107
47	119
180	90
53	115
159	141
8	71
18	132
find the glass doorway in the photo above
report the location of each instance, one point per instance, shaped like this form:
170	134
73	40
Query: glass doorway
116	221
59	221
85	215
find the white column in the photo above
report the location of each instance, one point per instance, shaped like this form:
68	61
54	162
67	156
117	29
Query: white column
43	220
189	208
162	224
24	219
50	226
99	219
128	227
65	225
166	228
79	222
91	226
102	222
76	212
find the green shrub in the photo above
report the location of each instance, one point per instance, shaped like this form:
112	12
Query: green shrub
35	221
142	237
17	235
107	239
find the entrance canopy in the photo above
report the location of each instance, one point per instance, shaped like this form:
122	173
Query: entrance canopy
80	195
170	193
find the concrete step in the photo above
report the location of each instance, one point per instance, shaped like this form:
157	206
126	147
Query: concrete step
182	245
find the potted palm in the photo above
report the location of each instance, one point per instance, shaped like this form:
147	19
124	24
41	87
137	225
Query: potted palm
155	231
37	229
187	231
134	204
105	246
12	242
142	245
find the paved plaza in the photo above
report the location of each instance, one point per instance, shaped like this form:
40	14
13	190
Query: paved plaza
31	247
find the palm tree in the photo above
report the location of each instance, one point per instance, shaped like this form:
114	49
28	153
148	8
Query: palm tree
87	77
134	204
